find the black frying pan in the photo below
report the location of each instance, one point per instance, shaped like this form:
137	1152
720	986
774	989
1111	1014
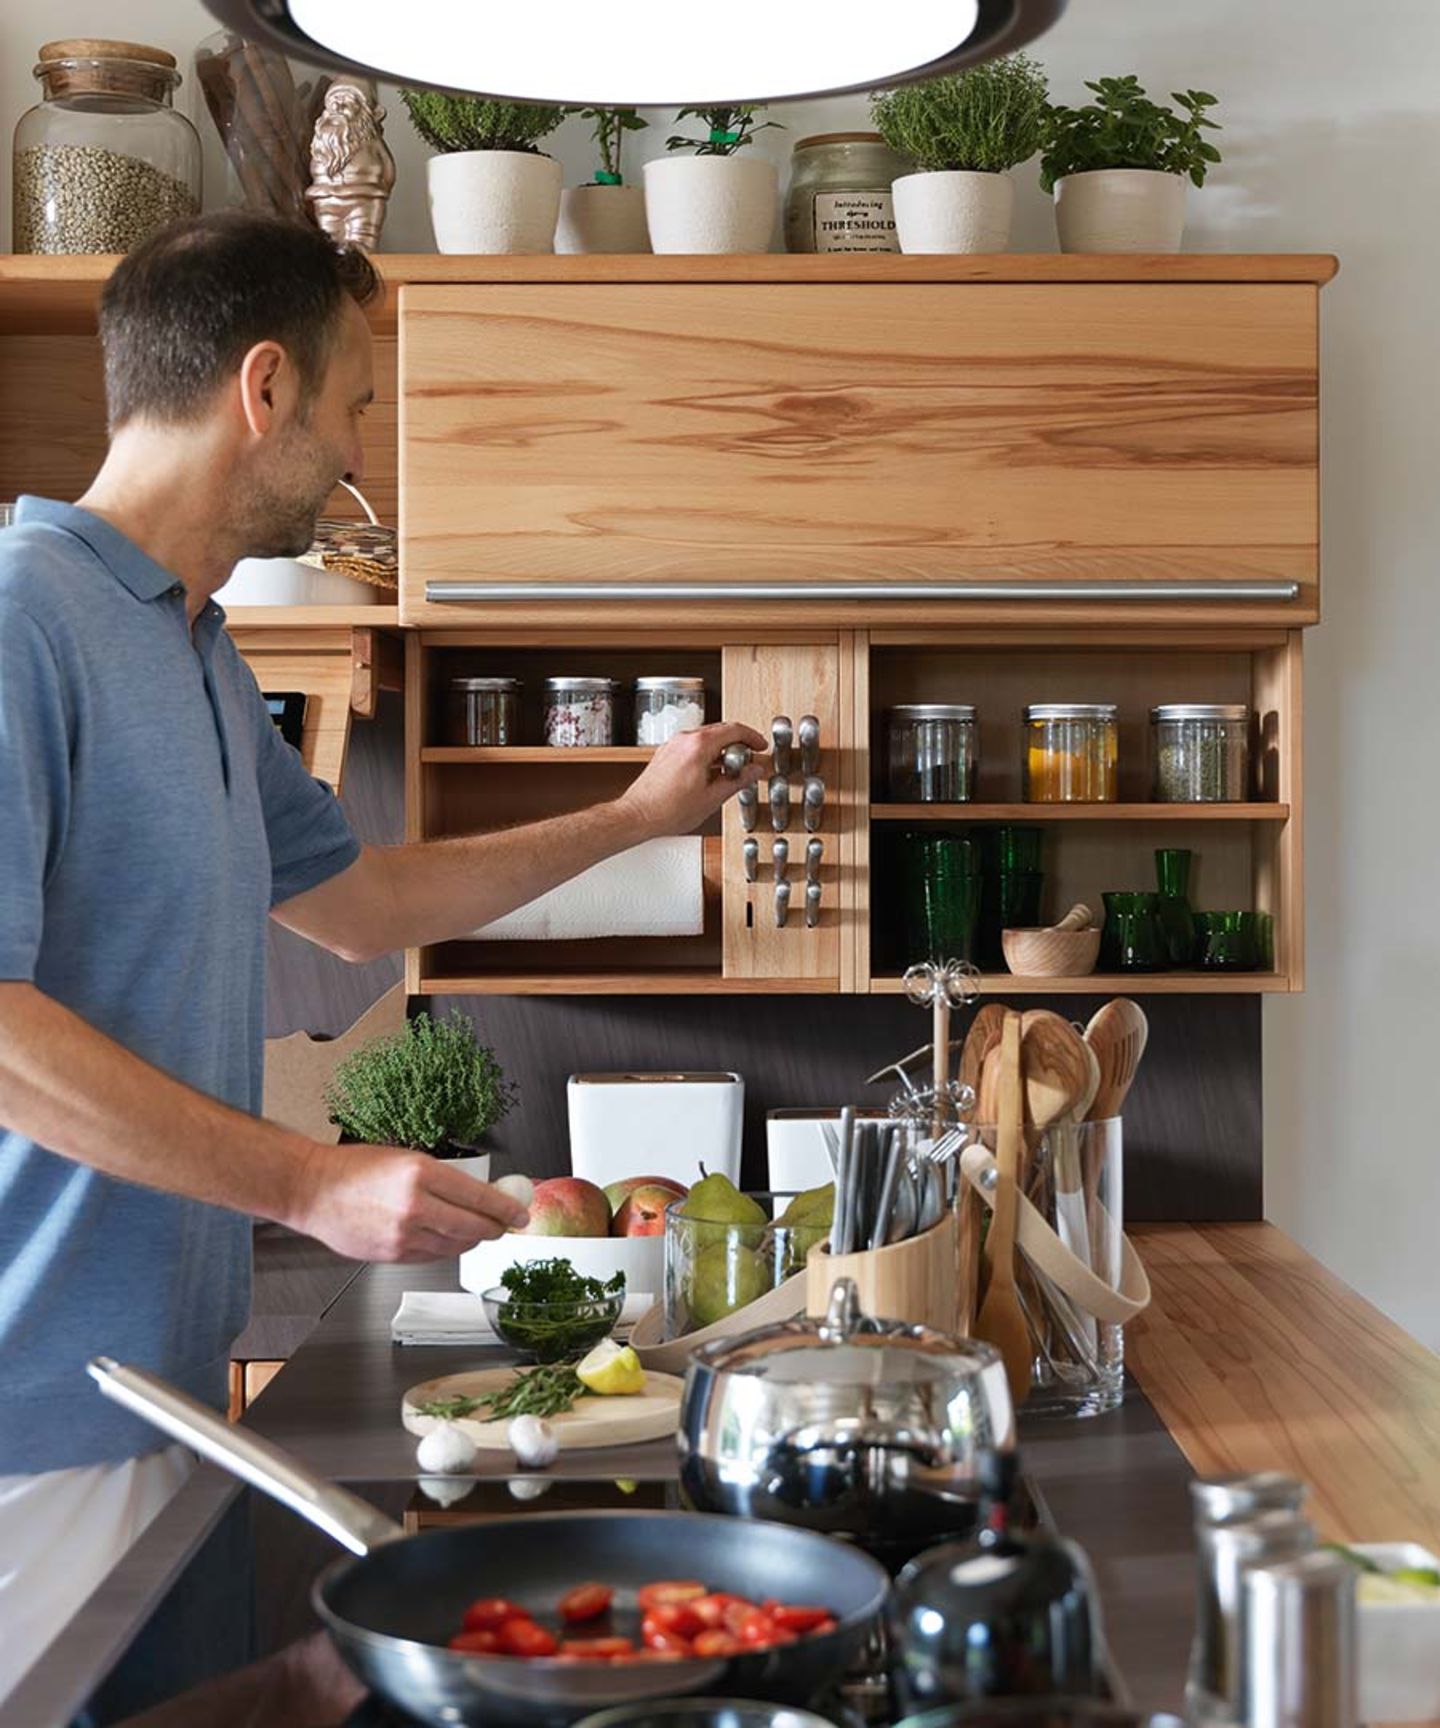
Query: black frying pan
392	1610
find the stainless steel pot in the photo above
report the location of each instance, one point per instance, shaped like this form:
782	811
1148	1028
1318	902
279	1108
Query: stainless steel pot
869	1429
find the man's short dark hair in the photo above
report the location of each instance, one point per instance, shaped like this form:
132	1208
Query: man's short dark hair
183	309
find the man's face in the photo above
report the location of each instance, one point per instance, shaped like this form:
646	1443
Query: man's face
313	447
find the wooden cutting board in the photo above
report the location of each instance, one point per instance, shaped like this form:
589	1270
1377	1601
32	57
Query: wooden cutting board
590	1421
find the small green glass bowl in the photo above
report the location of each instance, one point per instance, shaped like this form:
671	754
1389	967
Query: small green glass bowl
552	1331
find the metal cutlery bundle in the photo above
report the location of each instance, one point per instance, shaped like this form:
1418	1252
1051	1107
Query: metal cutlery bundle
890	1183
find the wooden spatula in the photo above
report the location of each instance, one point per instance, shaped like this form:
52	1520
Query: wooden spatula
1000	1321
1117	1033
982	1038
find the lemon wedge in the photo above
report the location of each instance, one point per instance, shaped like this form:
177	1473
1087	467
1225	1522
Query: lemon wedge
612	1370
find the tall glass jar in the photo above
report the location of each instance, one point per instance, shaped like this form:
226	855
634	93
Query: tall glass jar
103	159
579	713
1071	752
665	706
1202	752
933	747
839	194
484	712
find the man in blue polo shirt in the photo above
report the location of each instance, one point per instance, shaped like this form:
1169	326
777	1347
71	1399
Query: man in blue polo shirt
151	819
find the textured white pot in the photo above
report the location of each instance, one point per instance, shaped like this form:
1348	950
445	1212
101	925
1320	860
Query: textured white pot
477	1165
953	211
710	203
1120	210
602	219
494	201
288	582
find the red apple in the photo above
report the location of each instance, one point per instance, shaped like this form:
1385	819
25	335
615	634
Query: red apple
642	1212
568	1206
617	1193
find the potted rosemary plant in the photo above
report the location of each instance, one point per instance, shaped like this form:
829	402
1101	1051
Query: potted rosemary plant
1118	167
431	1086
964	133
491	188
605	215
716	200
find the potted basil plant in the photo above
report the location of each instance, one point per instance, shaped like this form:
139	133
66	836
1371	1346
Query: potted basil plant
964	133
431	1086
716	200
605	215
491	188
1118	167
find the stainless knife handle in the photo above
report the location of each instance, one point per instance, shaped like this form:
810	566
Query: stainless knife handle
781	734
735	759
748	798
782	904
750	852
780	857
779	803
814	802
812	904
814	852
808	733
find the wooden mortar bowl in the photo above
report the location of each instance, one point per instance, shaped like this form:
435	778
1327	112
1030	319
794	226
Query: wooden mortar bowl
1050	953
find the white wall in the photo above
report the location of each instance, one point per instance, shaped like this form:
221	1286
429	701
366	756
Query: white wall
1332	132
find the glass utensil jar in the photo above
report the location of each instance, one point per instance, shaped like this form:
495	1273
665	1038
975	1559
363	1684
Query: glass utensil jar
665	706
933	752
1202	752
103	160
484	711
1071	751
579	712
839	194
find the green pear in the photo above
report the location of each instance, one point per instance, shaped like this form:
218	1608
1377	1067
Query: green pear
717	1200
725	1276
815	1206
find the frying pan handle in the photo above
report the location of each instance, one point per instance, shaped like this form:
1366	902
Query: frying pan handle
343	1516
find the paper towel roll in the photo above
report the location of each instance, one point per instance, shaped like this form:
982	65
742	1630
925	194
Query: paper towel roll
654	889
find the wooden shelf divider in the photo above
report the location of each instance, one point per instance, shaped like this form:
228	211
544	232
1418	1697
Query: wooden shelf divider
1258	812
549	755
1117	984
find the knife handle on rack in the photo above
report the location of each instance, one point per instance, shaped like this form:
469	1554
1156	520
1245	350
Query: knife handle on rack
808	732
813	800
748	798
780	857
779	803
814	852
812	904
781	737
782	903
750	852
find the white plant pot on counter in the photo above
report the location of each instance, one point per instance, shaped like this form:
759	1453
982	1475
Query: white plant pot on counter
953	211
1120	210
710	203
602	219
477	1165
494	201
289	582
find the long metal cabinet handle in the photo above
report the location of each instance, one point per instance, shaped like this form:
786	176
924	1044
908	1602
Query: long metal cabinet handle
478	593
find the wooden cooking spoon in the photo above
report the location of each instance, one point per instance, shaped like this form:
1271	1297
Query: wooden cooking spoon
1059	1073
1000	1321
983	1037
1117	1033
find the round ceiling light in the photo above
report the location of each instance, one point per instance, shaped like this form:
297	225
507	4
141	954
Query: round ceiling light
659	55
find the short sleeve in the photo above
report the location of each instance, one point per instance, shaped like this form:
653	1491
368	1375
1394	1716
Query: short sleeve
35	747
309	836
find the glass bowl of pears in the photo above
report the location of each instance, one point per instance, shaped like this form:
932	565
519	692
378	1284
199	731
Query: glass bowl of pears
725	1248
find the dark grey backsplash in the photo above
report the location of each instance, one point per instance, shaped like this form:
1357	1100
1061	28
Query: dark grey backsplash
1192	1126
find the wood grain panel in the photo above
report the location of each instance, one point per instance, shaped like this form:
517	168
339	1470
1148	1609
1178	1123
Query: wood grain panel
321	664
923	433
1257	1358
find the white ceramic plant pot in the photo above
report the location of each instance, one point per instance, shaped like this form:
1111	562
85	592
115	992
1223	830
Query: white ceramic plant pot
953	211
602	219
710	203
494	201
478	1165
1120	210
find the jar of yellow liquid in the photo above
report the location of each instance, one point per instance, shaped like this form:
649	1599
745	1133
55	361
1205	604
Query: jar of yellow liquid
1071	751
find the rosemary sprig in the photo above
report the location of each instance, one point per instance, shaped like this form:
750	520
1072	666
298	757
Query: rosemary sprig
544	1391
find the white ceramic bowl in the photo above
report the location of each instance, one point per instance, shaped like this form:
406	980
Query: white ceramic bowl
1399	1645
288	582
640	1258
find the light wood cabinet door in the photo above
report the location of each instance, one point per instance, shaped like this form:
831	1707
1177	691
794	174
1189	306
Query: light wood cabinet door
1022	434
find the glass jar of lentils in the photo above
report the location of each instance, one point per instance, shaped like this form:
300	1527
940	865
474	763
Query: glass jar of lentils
484	711
665	706
1202	752
103	160
579	712
933	750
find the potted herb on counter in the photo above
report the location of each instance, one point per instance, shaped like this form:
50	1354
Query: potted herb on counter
491	188
716	200
431	1086
964	133
605	215
1118	167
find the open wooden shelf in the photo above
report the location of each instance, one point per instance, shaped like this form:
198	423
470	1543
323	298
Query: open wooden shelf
312	617
513	755
1266	812
1118	984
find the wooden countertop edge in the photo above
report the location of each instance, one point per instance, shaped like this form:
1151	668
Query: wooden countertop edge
1256	1357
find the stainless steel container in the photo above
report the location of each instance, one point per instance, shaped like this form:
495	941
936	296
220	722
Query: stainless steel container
864	1428
1298	1666
484	711
580	713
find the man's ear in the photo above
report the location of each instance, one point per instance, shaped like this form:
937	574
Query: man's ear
263	382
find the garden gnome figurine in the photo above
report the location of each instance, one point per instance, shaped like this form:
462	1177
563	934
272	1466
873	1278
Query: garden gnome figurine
351	166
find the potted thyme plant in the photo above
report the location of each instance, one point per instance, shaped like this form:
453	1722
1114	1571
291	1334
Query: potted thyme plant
491	188
716	200
1118	166
605	215
431	1086
964	133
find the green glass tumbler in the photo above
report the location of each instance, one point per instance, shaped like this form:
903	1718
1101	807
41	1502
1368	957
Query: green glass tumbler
941	882
1132	940
1173	909
1229	941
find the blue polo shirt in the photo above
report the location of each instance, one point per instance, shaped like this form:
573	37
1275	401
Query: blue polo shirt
150	817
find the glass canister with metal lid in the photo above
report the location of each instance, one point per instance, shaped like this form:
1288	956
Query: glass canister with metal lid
1202	752
484	711
839	199
665	706
1072	752
933	750
579	712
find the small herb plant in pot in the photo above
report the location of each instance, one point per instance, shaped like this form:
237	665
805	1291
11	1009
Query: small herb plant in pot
605	215
964	133
431	1086
716	200
491	188
1118	166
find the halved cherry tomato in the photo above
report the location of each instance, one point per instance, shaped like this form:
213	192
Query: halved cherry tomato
492	1611
792	1617
678	1617
585	1602
717	1643
756	1628
658	1656
826	1625
657	1638
597	1649
710	1610
481	1642
737	1611
669	1590
525	1638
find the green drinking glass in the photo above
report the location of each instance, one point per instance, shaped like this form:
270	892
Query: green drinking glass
1173	909
941	881
1132	940
1229	941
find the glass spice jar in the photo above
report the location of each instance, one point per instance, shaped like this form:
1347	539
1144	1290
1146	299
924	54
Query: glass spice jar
665	706
484	712
839	199
103	160
1202	752
1071	753
579	712
933	748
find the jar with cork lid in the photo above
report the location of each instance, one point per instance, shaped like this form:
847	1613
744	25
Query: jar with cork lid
103	159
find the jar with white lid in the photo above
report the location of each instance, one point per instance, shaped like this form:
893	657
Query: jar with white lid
665	706
1202	752
580	713
1072	752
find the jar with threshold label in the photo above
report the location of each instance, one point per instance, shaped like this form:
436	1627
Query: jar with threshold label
839	194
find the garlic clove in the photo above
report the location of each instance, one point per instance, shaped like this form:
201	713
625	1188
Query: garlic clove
444	1490
446	1450
519	1188
527	1488
532	1440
